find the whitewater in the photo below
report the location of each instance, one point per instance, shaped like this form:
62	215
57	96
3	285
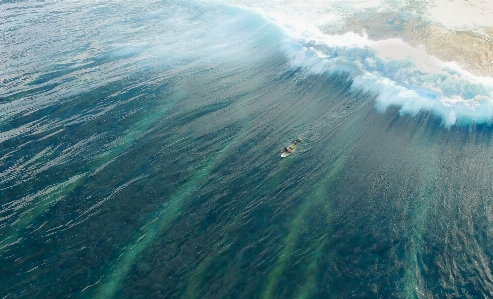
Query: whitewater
140	143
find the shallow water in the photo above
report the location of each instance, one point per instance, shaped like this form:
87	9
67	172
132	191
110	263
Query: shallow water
140	158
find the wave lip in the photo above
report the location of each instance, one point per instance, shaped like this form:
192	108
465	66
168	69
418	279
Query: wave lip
399	74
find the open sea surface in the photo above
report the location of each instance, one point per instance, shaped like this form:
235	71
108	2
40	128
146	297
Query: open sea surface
140	150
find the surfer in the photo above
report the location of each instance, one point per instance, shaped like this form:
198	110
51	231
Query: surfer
290	148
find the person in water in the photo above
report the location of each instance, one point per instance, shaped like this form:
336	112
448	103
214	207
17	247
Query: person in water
290	148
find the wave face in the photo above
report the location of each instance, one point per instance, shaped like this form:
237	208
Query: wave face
140	149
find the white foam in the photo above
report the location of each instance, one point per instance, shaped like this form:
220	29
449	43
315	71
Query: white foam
462	14
302	12
400	74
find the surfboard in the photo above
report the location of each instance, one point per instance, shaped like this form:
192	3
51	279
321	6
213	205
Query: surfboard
285	154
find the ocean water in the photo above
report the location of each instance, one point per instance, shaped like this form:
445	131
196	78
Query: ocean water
140	149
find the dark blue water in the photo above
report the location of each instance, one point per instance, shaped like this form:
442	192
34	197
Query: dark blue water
140	158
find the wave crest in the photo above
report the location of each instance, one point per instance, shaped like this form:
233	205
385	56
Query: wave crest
401	75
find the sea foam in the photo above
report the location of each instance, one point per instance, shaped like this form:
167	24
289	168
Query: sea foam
400	75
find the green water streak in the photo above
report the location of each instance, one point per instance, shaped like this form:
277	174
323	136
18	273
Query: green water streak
291	239
49	196
197	278
45	199
341	151
309	287
411	277
200	271
316	197
289	246
171	209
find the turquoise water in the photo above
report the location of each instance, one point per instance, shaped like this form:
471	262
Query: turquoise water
140	159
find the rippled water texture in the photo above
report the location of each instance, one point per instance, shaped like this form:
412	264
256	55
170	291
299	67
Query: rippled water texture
140	148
